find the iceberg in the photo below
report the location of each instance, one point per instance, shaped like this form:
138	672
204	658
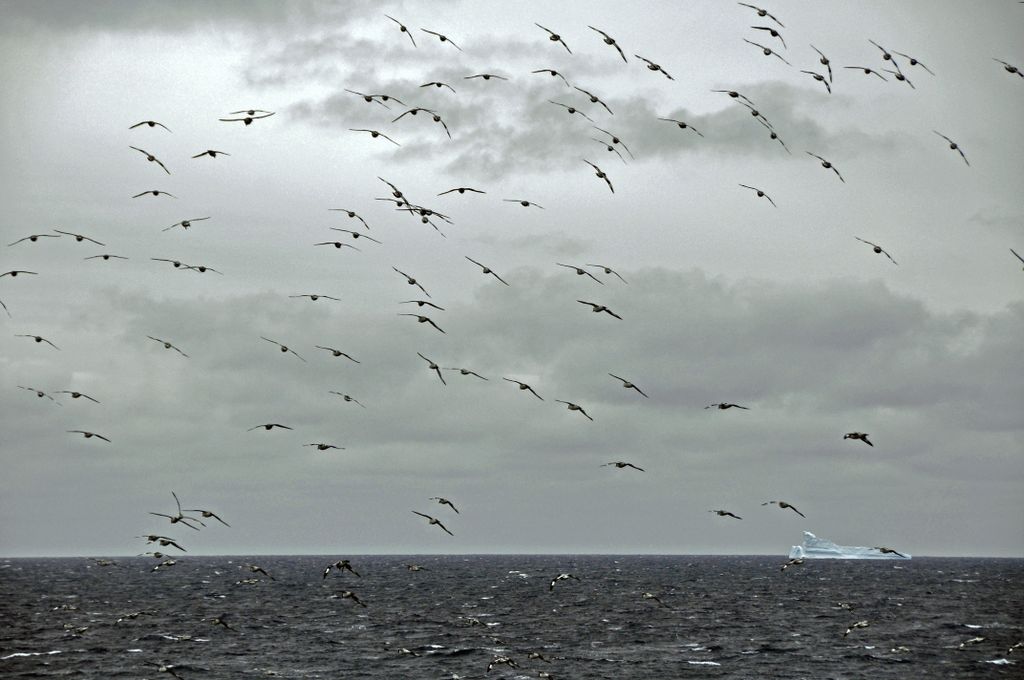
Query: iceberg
819	548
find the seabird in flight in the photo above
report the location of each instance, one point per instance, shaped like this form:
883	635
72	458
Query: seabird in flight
423	319
863	436
554	37
168	345
150	157
465	371
79	237
877	248
150	123
444	501
953	145
580	271
269	426
761	12
433	367
524	386
596	308
76	395
623	464
346	397
486	270
180	517
38	338
337	353
725	513
434	521
722	406
608	270
574	407
403	28
442	38
411	281
324	447
284	348
207	515
760	193
561	577
608	40
248	119
340	565
33	238
783	505
827	165
212	153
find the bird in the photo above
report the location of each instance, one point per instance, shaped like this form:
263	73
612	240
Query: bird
608	270
284	348
824	61
498	660
651	66
269	426
434	521
571	109
622	464
486	270
421	303
767	51
1009	68
783	505
760	193
575	407
416	567
375	134
913	61
596	308
561	577
79	237
168	345
554	37
175	263
403	28
628	385
682	125
164	541
39	393
1016	255
889	551
953	145
885	53
442	38
221	621
610	148
725	513
594	99
180	517
877	248
552	72
773	33
424	319
247	120
77	395
859	624
462	190
736	95
600	174
796	561
250	112
438	84
898	75
207	514
465	371
827	165
202	269
315	296
212	153
820	78
38	338
337	353
608	40
368	98
349	595
654	598
524	386
411	281
522	202
33	238
616	140
863	436
105	256
355	234
151	158
580	271
346	398
164	667
320	446
762	12
256	569
185	224
340	565
150	123
867	71
433	367
723	406
338	244
444	501
5	308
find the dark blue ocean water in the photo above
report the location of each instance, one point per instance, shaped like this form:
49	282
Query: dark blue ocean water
718	617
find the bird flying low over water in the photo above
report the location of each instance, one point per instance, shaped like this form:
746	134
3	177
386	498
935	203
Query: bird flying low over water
256	569
283	348
796	561
207	514
783	505
561	577
855	626
878	249
725	513
434	521
340	565
623	464
628	385
889	551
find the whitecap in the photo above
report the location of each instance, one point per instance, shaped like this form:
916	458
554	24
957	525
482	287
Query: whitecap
1000	662
704	663
19	654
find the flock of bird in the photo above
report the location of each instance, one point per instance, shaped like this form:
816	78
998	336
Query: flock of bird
427	215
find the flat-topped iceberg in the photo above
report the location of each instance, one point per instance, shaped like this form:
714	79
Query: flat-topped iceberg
820	548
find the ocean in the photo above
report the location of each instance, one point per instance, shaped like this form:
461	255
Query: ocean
709	617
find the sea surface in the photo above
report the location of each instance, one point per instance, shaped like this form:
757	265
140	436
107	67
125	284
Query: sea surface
718	617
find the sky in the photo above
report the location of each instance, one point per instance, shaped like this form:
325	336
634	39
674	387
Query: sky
723	296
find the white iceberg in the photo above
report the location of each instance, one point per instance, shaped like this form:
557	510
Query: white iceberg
820	548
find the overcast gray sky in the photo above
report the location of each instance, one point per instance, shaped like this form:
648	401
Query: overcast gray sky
728	298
